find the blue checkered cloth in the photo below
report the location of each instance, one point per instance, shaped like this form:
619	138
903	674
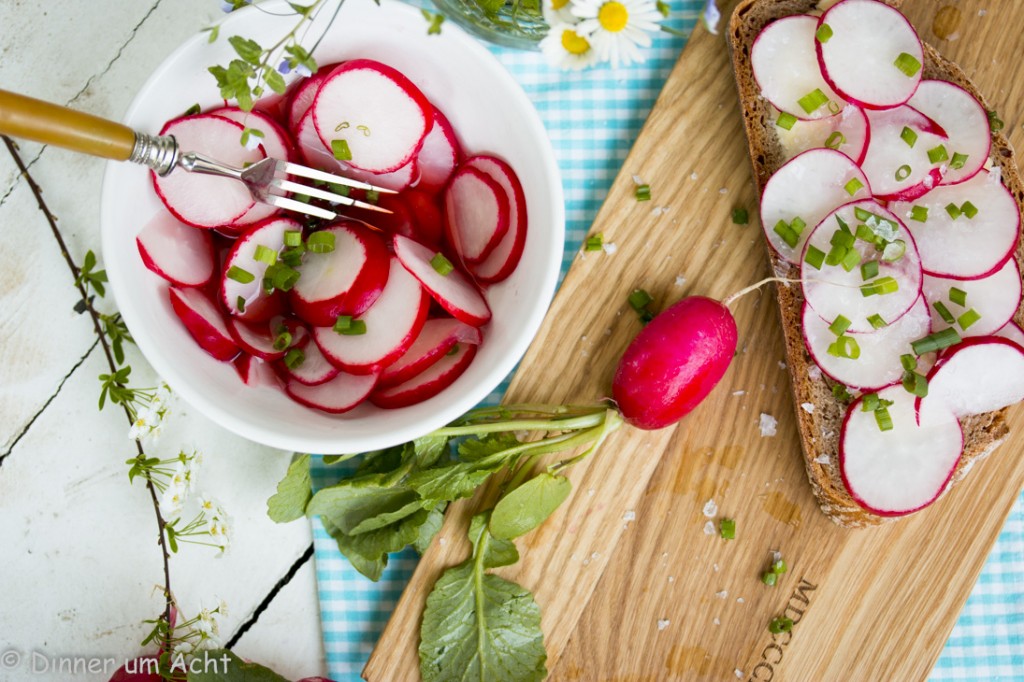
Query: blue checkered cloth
593	118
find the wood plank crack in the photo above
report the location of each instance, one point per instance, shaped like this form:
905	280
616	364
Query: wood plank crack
287	578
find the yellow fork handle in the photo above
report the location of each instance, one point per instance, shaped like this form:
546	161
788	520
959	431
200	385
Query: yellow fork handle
40	121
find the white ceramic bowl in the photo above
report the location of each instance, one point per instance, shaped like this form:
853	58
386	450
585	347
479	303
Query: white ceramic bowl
491	114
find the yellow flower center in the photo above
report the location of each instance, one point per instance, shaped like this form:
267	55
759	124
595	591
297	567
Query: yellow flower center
613	16
558	4
573	43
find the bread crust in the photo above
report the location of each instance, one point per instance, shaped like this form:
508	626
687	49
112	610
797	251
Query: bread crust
820	425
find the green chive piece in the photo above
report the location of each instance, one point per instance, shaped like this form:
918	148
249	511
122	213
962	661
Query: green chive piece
861	214
346	326
958	296
850	260
823	33
845	347
594	243
866	234
282	340
294	358
292	257
812	100
908	136
780	624
968	319
943	312
954	211
884	419
836	255
786	121
342	323
919	213
639	300
843	238
727	528
340	149
798	225
834	107
240	304
869	270
937	341
835	140
320	242
880	287
842	224
915	384
840	325
372	196
643	193
280	276
909	362
958	161
265	255
903	172
240	275
304	198
877	322
740	216
994	122
193	110
870	403
788	234
779	567
441	265
815	257
769	578
454	350
840	392
908	64
938	154
853	186
292	238
894	251
968	209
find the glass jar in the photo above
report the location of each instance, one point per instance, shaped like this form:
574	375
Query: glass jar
509	23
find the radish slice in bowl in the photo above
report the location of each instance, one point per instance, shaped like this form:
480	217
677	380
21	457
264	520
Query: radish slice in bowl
303	95
203	321
428	383
505	257
439	154
342	393
994	300
965	122
846	132
452	289
246	265
181	254
980	375
309	366
435	340
897	161
477	208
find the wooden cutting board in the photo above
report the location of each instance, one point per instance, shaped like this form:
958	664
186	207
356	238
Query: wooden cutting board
655	598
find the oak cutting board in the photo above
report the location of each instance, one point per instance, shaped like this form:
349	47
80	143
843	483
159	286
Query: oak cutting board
655	598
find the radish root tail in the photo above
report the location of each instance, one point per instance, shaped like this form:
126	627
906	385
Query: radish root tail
728	301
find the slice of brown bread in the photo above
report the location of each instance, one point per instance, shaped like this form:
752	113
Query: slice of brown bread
819	414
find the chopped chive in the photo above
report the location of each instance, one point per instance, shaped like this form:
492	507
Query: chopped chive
340	149
282	340
240	304
870	403
915	383
815	257
643	193
786	121
958	161
880	287
836	255
727	528
372	196
845	347
342	323
850	260
835	140
779	567
903	172
842	224
740	216
840	392
265	255
866	234
908	64
894	251
861	214
594	243
968	209
823	33
798	225
877	322
853	186
812	100
193	110
639	300
292	257
958	296
908	136
968	319
320	242
240	275
294	358
909	362
280	276
943	312
834	107
343	190
839	325
938	154
937	341
454	350
869	270
346	326
780	624
919	213
769	578
994	122
843	238
292	238
884	419
954	211
441	265
788	234
304	198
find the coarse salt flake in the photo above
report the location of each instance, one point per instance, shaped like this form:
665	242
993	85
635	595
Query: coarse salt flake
710	509
822	459
768	425
738	673
709	528
680	280
610	248
629	516
807	407
739	392
662	624
723	594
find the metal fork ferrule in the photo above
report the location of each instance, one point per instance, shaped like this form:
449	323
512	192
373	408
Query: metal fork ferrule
159	152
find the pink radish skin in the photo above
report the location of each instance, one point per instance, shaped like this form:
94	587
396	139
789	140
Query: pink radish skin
314	370
397	180
439	154
427	216
1012	332
435	340
255	371
477	209
181	254
888	152
505	257
965	121
270	234
258	338
454	292
395	116
204	322
311	149
392	324
674	362
428	383
341	394
304	94
996	298
851	123
345	281
982	374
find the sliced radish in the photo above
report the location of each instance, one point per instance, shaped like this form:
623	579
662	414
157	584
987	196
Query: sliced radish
832	291
878	363
258	338
453	290
314	368
378	112
242	275
392	324
255	371
846	132
980	375
426	215
345	281
964	120
786	68
203	321
439	154
477	208
1013	332
896	472
808	187
962	247
505	257
868	39
311	149
435	340
207	200
996	298
340	394
179	253
396	180
897	169
428	383
399	221
303	95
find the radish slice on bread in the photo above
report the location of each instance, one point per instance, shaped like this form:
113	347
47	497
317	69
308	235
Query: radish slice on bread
203	321
980	375
181	254
994	300
447	285
965	122
428	383
242	275
437	338
846	132
903	469
897	162
342	393
1013	332
478	213
502	261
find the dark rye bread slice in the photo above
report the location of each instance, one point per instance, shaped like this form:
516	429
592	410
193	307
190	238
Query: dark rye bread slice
819	414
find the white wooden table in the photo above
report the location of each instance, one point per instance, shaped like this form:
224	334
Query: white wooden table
79	562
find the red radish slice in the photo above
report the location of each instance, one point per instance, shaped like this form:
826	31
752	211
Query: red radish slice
378	112
896	170
254	339
786	68
392	324
478	214
964	120
453	291
255	371
878	364
206	200
847	132
439	154
303	96
896	472
435	340
833	291
203	321
996	298
345	281
809	187
340	394
859	59
426	215
311	149
505	257
238	296
177	252
427	384
980	375
314	369
397	180
962	247
1013	332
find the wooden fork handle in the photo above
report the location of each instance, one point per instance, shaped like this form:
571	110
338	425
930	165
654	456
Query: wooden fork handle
40	121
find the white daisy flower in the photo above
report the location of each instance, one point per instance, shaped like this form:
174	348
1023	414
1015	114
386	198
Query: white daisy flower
172	501
557	12
618	28
563	46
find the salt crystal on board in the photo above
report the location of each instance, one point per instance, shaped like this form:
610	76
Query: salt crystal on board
709	528
629	516
662	624
768	425
723	594
710	509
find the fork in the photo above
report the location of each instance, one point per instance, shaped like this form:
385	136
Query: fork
267	180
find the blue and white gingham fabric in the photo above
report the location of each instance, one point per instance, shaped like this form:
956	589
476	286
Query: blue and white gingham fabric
593	118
